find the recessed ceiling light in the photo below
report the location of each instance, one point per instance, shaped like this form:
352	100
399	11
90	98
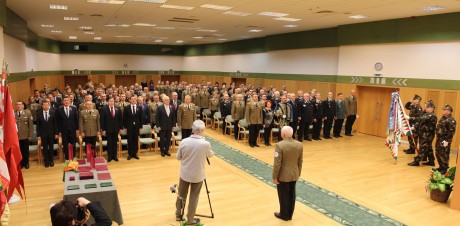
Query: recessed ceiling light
86	27
433	8
47	25
191	28
158	40
117	25
219	35
165	28
114	2
144	24
60	7
70	18
272	14
222	39
179	41
234	13
198	37
207	30
255	30
159	37
357	17
290	25
143	36
97	38
286	19
72	37
245	36
177	7
150	1
89	32
123	36
56	31
218	7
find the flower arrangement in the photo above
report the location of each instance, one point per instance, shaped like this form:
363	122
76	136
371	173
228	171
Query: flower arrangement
71	165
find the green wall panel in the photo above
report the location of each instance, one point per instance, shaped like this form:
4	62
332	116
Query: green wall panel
256	45
15	26
115	48
204	50
3	13
303	39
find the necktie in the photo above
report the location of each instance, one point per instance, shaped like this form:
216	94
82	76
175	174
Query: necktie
90	112
19	114
134	110
67	112
111	111
46	116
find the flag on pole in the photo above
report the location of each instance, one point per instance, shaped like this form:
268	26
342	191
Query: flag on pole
4	174
10	140
398	125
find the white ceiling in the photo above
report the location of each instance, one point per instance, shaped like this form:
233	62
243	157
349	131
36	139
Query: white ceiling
229	27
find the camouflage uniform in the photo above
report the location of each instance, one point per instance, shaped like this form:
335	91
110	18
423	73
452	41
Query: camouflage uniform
415	112
445	132
426	126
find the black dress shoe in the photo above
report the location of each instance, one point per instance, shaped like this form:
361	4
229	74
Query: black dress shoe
129	157
308	139
409	151
257	145
429	163
26	166
277	215
318	139
162	154
168	154
109	159
414	163
136	157
47	165
350	135
52	164
116	159
251	145
340	136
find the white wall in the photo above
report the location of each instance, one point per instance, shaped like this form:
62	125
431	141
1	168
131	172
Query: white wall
116	62
15	54
2	45
245	63
412	60
203	63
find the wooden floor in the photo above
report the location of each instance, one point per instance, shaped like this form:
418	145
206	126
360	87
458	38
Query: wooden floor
359	168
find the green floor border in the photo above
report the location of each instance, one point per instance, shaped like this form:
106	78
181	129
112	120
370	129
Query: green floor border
334	206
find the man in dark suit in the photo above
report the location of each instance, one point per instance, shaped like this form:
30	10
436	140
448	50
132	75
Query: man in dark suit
287	167
166	120
111	123
175	102
292	103
67	120
145	111
132	118
56	100
47	131
305	117
225	109
329	106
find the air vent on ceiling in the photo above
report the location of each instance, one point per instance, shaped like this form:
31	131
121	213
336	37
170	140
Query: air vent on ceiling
96	15
325	11
183	20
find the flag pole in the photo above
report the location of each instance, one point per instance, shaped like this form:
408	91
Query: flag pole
408	123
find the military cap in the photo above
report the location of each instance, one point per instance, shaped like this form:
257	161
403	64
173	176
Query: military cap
448	107
430	104
417	97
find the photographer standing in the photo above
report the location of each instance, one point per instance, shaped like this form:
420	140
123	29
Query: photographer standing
193	152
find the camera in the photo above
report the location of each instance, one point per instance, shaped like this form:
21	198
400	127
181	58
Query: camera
81	215
173	188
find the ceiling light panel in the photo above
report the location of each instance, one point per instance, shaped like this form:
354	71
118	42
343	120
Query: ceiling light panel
433	8
217	7
56	31
206	30
144	25
123	36
358	17
59	7
86	27
70	18
275	14
179	41
290	25
234	13
150	1
73	37
165	28
47	25
89	33
255	30
117	25
113	2
177	7
158	40
97	38
287	19
198	37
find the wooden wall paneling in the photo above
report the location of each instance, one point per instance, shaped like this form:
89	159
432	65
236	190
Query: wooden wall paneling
323	89
109	79
19	90
435	96
450	97
313	85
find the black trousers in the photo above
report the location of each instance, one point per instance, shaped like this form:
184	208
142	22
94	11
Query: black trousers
133	140
253	134
338	124
24	146
267	132
201	113
349	124
286	197
223	125
327	127
165	140
304	130
235	129
112	140
294	128
317	128
186	133
67	139
48	148
90	140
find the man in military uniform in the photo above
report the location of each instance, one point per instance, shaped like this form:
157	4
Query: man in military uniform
351	109
82	106
153	108
292	102
318	116
225	109
445	131
102	102
426	126
305	117
339	115
329	110
186	115
415	112
25	126
33	107
237	113
282	113
254	119
89	124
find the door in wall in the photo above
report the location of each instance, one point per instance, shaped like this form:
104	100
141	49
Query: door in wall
125	80
74	80
239	81
373	109
31	86
170	78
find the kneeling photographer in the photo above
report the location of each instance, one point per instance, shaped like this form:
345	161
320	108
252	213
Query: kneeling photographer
67	213
193	153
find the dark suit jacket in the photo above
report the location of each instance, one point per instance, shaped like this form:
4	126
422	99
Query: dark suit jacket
145	114
129	119
164	121
305	111
67	125
109	123
294	111
99	215
177	107
46	128
329	108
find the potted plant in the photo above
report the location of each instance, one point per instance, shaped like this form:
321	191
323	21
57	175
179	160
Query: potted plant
440	185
